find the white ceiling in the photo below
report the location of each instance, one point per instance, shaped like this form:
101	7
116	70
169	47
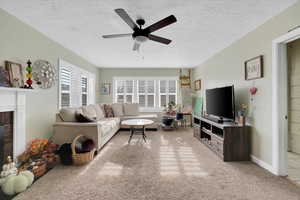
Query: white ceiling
203	27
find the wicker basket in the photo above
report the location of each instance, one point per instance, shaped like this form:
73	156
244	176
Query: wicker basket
40	170
81	158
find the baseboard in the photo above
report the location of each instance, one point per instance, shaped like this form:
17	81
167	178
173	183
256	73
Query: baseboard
264	165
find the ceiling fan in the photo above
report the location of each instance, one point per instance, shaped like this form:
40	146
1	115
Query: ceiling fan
141	35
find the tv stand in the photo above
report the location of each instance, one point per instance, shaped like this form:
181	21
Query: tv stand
230	141
214	119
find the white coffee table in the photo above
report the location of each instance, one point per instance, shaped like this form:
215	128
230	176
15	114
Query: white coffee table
137	126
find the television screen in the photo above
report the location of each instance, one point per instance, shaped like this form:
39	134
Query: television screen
220	102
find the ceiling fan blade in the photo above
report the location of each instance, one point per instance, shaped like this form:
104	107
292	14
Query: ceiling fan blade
159	39
117	35
160	24
123	14
136	46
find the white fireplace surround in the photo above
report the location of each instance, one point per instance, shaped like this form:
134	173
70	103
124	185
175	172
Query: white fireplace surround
14	99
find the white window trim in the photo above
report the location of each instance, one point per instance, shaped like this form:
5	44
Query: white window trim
156	108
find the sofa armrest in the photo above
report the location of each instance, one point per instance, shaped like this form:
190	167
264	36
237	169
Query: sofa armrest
65	132
77	124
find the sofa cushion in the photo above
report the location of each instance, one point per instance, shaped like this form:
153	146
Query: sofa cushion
108	110
89	111
118	109
68	114
131	109
99	112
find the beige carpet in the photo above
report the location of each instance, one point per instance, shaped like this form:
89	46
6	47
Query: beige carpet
172	165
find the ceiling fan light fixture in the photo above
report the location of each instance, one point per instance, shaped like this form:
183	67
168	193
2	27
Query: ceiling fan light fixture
140	39
141	35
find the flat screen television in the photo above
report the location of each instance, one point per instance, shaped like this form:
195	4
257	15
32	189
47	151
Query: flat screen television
220	103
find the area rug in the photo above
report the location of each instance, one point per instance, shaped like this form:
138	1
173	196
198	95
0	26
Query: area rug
170	166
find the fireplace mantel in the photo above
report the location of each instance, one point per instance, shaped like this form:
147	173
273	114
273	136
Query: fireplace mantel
12	89
14	99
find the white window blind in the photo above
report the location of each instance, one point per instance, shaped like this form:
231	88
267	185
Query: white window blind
146	93
167	92
77	86
151	93
65	87
84	93
124	91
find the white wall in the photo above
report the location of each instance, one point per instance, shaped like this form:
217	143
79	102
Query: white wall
227	67
19	42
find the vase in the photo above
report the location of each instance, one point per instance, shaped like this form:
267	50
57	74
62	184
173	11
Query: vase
167	121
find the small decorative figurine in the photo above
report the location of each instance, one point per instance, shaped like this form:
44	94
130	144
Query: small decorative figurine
9	168
29	75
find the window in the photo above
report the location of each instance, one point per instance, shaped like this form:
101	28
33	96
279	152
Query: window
76	86
150	93
124	91
167	92
84	93
65	87
146	93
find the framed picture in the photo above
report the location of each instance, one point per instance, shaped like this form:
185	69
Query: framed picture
4	78
185	79
197	84
15	74
105	89
254	68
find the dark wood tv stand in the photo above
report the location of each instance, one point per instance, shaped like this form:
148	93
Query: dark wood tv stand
230	141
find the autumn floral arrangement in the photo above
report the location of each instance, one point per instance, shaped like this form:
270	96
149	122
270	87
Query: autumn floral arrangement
39	156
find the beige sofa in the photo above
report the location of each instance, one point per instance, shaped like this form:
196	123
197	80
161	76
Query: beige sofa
66	127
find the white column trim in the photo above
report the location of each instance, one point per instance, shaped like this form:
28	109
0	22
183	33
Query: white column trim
279	101
14	99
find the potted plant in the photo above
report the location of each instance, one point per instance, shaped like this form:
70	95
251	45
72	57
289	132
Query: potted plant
170	111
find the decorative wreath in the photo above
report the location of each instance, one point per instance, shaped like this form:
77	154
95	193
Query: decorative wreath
44	74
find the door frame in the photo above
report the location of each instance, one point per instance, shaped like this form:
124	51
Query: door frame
280	101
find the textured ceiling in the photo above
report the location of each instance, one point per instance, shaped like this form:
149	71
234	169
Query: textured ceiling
204	27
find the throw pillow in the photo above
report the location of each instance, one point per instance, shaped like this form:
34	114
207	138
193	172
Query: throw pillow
118	109
68	114
131	109
99	112
89	111
80	117
108	110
